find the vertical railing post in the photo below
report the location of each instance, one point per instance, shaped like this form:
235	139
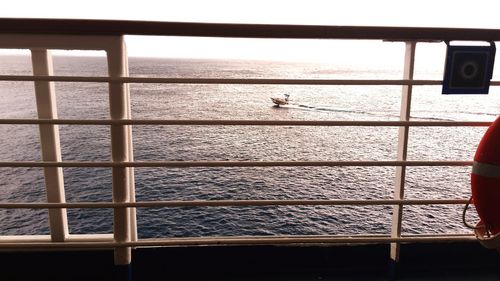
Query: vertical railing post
50	143
402	149
130	148
121	147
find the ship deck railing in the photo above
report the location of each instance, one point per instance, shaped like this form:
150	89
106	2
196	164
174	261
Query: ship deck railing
40	35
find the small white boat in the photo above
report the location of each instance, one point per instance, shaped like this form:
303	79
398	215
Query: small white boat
281	101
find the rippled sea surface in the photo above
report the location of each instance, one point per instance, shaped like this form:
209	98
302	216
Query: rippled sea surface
243	143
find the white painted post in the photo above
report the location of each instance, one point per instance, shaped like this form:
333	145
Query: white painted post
121	146
133	213
50	143
399	184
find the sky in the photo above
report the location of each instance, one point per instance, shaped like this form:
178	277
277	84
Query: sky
421	13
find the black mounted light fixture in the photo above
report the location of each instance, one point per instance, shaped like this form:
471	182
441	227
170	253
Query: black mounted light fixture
468	69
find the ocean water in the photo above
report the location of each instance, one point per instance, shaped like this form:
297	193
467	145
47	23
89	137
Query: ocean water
244	143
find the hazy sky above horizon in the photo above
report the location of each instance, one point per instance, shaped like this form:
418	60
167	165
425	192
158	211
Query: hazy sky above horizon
422	13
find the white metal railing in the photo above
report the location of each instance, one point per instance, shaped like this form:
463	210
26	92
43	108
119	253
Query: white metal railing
185	164
155	80
402	150
122	163
50	143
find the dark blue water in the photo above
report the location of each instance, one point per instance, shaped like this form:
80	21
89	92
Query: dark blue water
243	143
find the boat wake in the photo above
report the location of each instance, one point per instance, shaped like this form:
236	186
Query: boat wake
427	118
371	113
338	110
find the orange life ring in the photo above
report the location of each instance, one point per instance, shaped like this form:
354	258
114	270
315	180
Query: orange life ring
485	180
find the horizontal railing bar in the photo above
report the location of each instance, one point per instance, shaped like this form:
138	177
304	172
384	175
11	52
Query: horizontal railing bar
244	240
106	237
245	122
24	238
242	81
226	203
245	81
184	164
46	238
284	31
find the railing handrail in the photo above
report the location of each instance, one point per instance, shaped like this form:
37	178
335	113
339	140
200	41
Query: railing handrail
244	122
241	81
192	164
234	203
241	240
280	31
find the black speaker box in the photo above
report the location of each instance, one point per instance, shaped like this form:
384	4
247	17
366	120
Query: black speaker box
468	69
